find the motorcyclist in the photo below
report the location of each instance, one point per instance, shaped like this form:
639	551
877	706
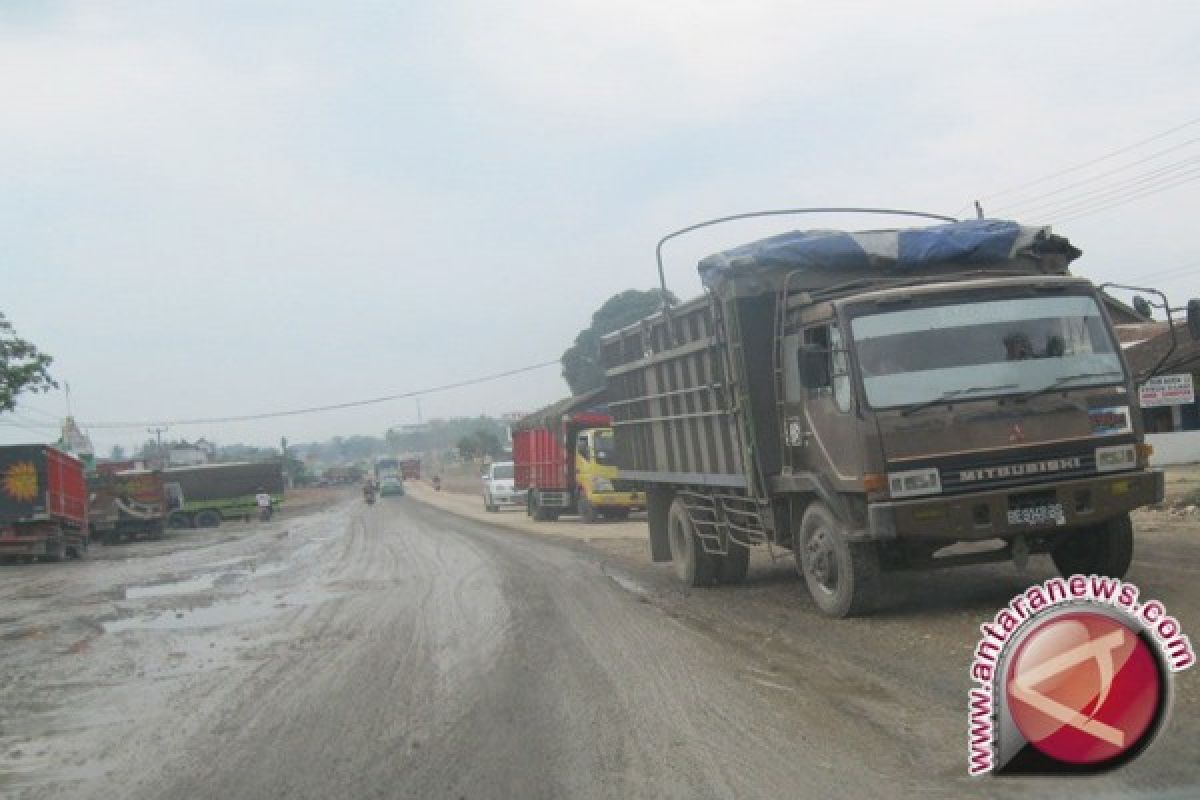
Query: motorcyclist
263	500
369	490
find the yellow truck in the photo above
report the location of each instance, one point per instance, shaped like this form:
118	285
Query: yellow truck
599	491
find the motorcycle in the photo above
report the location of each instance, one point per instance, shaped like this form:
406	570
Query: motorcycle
437	483
265	512
369	496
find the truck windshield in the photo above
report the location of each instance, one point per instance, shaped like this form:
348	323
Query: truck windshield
1015	346
605	450
502	472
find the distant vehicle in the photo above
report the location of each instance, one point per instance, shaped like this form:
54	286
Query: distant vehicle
391	485
876	401
410	469
43	503
205	495
498	489
563	459
126	504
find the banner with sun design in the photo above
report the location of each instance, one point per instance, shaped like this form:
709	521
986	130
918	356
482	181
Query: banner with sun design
20	481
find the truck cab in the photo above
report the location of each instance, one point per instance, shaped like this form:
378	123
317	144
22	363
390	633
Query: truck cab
994	411
599	492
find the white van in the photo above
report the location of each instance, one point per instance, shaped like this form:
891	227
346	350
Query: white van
498	487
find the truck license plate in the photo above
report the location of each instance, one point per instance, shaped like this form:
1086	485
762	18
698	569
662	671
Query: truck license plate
1038	515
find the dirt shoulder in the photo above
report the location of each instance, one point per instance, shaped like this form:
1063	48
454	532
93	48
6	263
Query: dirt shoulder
471	506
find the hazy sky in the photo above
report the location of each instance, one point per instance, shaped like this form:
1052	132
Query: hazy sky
216	208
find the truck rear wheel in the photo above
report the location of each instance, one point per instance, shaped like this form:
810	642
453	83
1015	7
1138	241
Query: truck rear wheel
180	519
208	519
693	566
842	576
56	549
1105	549
587	512
734	565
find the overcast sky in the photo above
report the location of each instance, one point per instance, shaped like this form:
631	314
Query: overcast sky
217	208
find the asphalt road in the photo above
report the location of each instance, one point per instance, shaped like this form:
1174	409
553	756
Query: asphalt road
400	651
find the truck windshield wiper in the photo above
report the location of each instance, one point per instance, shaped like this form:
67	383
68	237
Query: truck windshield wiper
1066	379
953	393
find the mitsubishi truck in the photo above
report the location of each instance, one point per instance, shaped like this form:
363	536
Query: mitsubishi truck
126	504
884	400
562	459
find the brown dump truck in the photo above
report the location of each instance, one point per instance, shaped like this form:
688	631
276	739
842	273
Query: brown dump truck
884	400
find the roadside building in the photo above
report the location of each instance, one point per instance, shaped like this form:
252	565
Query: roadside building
1168	404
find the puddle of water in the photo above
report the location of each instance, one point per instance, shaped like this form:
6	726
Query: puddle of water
628	584
199	583
247	608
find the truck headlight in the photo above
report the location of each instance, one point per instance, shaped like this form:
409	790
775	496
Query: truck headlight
601	485
914	482
1121	456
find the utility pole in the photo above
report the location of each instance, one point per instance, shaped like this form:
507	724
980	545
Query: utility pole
158	432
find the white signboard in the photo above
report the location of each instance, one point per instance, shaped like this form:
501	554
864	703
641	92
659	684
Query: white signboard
1167	390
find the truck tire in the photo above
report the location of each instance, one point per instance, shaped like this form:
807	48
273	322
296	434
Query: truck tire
56	550
587	512
618	514
1105	549
842	576
693	566
487	504
734	565
208	519
180	519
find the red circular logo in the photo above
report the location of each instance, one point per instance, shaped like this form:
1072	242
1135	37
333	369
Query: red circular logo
1084	688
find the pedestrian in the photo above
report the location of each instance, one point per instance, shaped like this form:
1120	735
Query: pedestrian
264	504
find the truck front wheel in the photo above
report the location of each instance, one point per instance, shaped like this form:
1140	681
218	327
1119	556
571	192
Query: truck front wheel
587	512
180	519
1105	549
842	576
693	566
208	519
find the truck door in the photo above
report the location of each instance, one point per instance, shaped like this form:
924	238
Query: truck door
820	426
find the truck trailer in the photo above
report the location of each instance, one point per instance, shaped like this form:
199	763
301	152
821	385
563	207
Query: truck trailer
43	503
562	460
126	504
883	400
203	496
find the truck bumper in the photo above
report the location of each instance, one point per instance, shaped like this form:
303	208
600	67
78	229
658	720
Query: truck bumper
630	501
22	546
985	515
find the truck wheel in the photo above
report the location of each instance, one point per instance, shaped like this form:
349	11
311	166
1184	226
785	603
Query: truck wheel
179	519
488	505
1105	549
55	550
208	519
693	566
619	514
842	576
734	565
587	512
157	532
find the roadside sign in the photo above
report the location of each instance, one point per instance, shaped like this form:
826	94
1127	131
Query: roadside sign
1167	390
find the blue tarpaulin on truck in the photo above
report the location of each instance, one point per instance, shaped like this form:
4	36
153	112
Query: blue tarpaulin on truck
968	243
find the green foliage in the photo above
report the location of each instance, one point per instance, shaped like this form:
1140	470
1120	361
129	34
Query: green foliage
479	444
581	367
23	368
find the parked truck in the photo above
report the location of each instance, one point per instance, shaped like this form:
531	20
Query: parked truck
126	504
203	496
562	460
884	400
43	503
389	480
410	469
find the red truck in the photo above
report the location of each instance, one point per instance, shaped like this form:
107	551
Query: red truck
410	469
126	504
43	503
562	458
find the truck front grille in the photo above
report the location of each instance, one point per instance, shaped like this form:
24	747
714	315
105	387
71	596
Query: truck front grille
1021	471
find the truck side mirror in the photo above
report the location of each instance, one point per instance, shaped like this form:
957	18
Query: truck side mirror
814	366
1193	317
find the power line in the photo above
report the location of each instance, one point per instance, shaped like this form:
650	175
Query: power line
317	409
1115	191
1129	199
1091	162
1019	203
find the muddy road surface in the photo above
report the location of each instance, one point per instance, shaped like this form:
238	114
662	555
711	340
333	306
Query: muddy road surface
397	650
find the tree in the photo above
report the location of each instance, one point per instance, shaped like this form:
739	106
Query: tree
468	447
117	453
23	368
581	367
